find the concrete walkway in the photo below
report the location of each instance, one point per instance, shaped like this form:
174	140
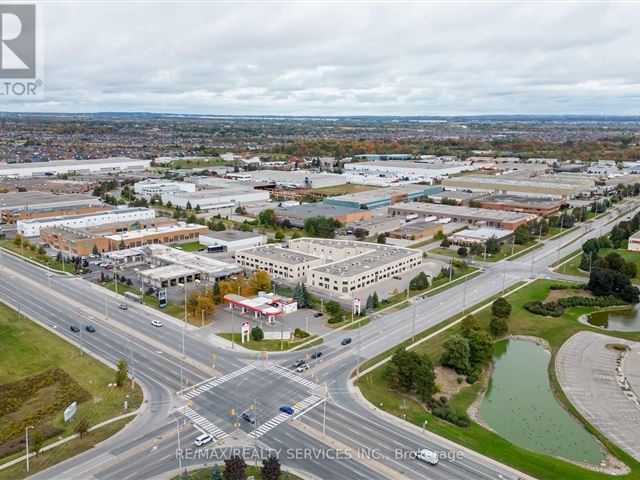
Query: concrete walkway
589	375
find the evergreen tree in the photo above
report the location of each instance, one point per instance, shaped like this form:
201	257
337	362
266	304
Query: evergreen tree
235	468
375	300
369	303
270	468
215	473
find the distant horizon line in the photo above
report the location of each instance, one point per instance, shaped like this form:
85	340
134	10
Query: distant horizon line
334	116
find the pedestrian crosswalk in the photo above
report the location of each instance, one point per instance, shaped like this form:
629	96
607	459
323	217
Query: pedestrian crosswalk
202	422
200	388
292	376
298	409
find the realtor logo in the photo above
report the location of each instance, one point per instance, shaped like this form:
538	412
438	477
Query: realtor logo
18	41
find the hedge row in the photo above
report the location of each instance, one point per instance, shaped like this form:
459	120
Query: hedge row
556	309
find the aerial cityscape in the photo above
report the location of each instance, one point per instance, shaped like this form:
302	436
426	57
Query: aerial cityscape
309	241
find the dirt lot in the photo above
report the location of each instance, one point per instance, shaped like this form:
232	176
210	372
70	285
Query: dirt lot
447	382
558	294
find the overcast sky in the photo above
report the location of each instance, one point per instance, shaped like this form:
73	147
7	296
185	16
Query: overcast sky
341	58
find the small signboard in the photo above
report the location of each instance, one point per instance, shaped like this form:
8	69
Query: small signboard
244	331
162	298
70	411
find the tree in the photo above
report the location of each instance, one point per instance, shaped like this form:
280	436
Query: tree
37	440
629	294
122	245
333	308
445	242
375	300
629	269
95	250
501	308
424	379
245	227
235	468
419	282
476	249
322	227
217	297
480	347
456	354
382	238
369	303
121	373
493	245
267	217
279	235
468	325
260	282
185	476
257	334
82	427
360	233
521	235
215	473
498	326
270	468
463	252
188	205
615	261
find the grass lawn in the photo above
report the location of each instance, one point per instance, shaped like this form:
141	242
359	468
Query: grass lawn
209	162
63	452
53	263
272	345
345	189
26	349
556	331
505	252
357	323
189	247
571	267
203	474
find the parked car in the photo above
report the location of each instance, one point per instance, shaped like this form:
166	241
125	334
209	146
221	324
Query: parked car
299	363
123	306
156	323
90	328
302	368
319	314
75	328
48	274
346	341
287	409
428	456
203	439
315	355
249	416
396	277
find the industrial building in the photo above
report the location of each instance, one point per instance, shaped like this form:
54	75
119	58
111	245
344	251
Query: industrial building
151	187
544	206
342	266
458	196
105	166
544	185
463	215
480	236
173	266
296	215
372	226
291	179
232	240
383	197
408	170
416	230
216	198
27	205
31	228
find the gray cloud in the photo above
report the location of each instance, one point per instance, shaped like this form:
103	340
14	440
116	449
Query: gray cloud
341	58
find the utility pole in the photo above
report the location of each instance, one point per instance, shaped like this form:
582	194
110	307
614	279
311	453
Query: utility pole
464	295
358	356
133	366
504	274
26	435
533	256
450	269
413	324
282	333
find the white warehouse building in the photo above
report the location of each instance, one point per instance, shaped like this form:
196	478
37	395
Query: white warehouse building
31	228
151	187
216	198
74	167
231	240
411	170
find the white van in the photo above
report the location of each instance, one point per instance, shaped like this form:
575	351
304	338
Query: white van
427	456
203	439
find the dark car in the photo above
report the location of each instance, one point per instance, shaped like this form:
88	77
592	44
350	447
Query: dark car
346	341
249	416
90	328
315	355
287	409
75	328
319	314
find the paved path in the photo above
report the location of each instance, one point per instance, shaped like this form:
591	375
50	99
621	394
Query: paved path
587	373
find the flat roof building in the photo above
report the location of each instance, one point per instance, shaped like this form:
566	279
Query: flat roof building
74	167
232	240
297	214
544	185
464	215
31	228
372	226
480	236
516	203
216	198
416	230
408	170
383	197
278	261
28	205
291	179
151	187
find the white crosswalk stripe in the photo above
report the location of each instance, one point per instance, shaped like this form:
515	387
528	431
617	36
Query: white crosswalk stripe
298	409
202	422
294	377
200	388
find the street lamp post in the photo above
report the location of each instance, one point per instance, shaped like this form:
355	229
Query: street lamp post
237	423
324	407
26	435
179	447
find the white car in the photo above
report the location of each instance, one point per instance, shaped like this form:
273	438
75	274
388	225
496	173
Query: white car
428	456
203	439
302	368
156	323
48	274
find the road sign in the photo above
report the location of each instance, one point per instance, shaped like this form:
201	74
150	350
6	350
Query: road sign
245	327
244	331
70	411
